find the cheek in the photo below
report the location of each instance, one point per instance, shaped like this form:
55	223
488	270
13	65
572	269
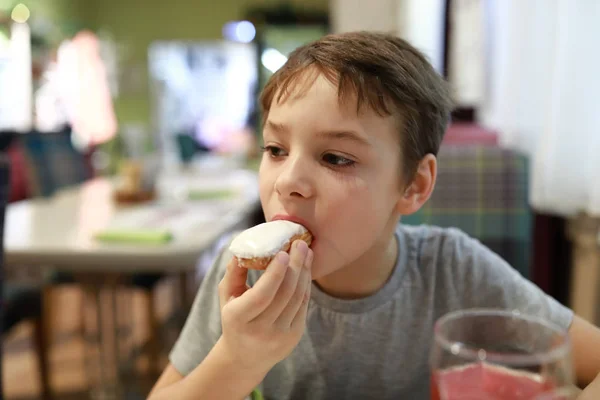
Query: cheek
263	188
265	183
358	216
353	217
355	200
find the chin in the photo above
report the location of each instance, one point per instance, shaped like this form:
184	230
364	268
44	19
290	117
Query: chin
321	269
317	273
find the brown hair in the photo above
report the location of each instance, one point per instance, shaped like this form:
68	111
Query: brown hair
381	70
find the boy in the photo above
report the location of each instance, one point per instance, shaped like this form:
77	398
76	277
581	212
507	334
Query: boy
352	126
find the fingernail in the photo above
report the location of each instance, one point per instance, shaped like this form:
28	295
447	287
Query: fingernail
302	247
283	258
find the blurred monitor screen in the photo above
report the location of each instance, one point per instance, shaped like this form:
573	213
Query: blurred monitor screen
203	92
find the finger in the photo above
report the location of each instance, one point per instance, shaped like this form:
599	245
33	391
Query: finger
299	320
289	286
291	310
233	283
256	299
591	391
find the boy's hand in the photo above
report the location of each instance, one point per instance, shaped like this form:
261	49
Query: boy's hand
592	391
263	324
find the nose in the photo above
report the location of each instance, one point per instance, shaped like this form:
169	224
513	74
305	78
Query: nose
294	179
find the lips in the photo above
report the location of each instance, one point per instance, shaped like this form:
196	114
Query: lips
291	218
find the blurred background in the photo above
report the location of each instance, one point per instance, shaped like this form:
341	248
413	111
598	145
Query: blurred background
129	133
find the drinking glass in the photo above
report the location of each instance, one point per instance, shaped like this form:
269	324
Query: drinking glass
567	393
489	354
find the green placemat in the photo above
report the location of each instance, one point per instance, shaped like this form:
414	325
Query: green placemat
134	236
213	194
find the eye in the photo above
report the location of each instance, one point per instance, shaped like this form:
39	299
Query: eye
273	151
338	161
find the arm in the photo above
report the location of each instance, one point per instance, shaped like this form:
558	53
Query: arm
169	377
261	326
585	340
217	377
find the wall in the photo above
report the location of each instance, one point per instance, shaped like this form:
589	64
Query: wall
351	15
135	24
50	22
66	15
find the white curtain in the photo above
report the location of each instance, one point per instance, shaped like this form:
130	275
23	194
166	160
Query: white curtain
543	95
532	69
421	22
466	61
16	108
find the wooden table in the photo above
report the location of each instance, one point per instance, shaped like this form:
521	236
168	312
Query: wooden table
59	233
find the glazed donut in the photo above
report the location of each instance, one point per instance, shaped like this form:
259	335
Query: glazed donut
254	248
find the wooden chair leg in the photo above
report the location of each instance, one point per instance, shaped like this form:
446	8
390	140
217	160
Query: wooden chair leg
183	290
81	329
153	326
42	348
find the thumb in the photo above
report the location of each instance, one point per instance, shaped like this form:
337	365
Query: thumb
592	391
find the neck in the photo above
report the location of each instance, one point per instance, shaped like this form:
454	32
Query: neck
366	275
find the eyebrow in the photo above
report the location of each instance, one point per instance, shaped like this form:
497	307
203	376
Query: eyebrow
345	135
341	135
279	128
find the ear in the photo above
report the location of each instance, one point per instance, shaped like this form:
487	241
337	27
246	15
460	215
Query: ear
421	187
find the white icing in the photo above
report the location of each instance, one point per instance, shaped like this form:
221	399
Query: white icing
264	240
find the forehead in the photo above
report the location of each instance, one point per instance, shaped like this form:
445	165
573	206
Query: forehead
314	102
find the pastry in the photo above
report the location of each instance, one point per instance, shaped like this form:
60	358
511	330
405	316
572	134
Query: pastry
254	248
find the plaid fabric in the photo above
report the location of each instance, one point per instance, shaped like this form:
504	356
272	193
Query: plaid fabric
483	190
52	162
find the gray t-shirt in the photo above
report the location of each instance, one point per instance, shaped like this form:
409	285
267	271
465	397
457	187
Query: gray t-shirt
378	347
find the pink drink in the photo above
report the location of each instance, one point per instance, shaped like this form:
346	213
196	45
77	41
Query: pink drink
486	382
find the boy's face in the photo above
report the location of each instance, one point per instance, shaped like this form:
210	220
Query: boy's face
336	172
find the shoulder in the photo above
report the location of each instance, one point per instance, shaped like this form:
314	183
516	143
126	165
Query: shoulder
429	242
453	259
463	273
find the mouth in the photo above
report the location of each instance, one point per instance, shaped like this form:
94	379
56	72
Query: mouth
291	218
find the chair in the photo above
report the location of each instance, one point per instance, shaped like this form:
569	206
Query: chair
52	162
482	189
21	303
